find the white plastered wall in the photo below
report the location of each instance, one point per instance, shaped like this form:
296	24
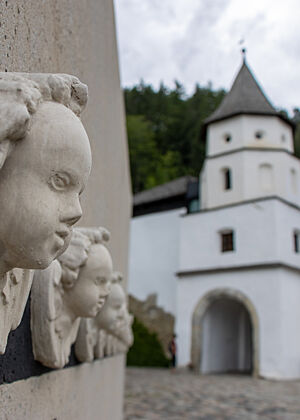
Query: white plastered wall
226	326
247	166
276	310
263	233
154	256
248	179
290	315
242	128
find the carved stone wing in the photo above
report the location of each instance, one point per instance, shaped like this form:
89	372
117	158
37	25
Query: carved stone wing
14	289
46	304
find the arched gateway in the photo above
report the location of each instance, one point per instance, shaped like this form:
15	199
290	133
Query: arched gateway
225	333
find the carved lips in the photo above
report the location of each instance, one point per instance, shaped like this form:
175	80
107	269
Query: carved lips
62	235
101	303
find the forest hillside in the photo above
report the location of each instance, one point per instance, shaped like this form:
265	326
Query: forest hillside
164	131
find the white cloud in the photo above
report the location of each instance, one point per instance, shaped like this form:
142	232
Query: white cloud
198	41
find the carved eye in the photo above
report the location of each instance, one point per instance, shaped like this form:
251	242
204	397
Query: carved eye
101	281
60	181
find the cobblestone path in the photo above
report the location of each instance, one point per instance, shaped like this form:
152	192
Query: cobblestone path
152	394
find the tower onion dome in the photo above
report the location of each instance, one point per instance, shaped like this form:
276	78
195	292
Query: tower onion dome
244	97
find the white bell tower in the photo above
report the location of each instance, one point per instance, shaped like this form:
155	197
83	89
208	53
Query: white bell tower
239	278
249	149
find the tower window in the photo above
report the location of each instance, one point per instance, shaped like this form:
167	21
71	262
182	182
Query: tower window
259	134
266	177
227	137
297	242
227	179
282	138
294	185
227	241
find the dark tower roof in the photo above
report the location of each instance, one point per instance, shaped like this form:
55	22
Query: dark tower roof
244	97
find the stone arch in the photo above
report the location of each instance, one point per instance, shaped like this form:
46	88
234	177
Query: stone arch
197	318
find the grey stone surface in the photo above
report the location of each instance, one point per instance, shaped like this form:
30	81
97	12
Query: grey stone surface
76	37
75	286
159	394
44	152
68	394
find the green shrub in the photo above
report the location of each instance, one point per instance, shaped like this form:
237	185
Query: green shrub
146	350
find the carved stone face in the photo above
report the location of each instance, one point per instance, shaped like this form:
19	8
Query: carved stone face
90	291
114	311
40	184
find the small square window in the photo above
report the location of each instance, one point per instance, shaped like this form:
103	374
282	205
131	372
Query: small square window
227	241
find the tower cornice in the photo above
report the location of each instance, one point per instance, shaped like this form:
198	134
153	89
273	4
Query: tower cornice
252	149
243	203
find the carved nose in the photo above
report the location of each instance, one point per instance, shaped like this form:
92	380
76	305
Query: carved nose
107	290
72	220
121	315
73	214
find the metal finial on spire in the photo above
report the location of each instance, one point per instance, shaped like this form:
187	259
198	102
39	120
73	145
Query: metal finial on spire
243	50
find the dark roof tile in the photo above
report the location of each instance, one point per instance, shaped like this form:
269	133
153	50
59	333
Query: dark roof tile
244	97
173	188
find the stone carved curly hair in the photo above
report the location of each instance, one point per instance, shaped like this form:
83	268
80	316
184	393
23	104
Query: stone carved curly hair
76	254
20	96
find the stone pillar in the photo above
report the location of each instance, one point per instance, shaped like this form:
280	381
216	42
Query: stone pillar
79	38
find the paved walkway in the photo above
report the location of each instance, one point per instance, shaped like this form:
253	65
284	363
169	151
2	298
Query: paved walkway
152	394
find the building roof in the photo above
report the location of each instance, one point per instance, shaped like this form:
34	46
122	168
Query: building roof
171	189
244	97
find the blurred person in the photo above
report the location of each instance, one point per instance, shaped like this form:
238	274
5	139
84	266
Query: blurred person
173	350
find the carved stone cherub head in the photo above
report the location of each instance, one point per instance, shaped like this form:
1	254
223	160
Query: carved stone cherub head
125	333
45	161
111	320
74	286
119	342
86	272
113	313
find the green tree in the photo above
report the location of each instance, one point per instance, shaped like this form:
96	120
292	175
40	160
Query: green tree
146	349
164	131
296	120
143	153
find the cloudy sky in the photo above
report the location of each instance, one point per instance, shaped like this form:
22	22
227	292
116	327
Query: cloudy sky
198	41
